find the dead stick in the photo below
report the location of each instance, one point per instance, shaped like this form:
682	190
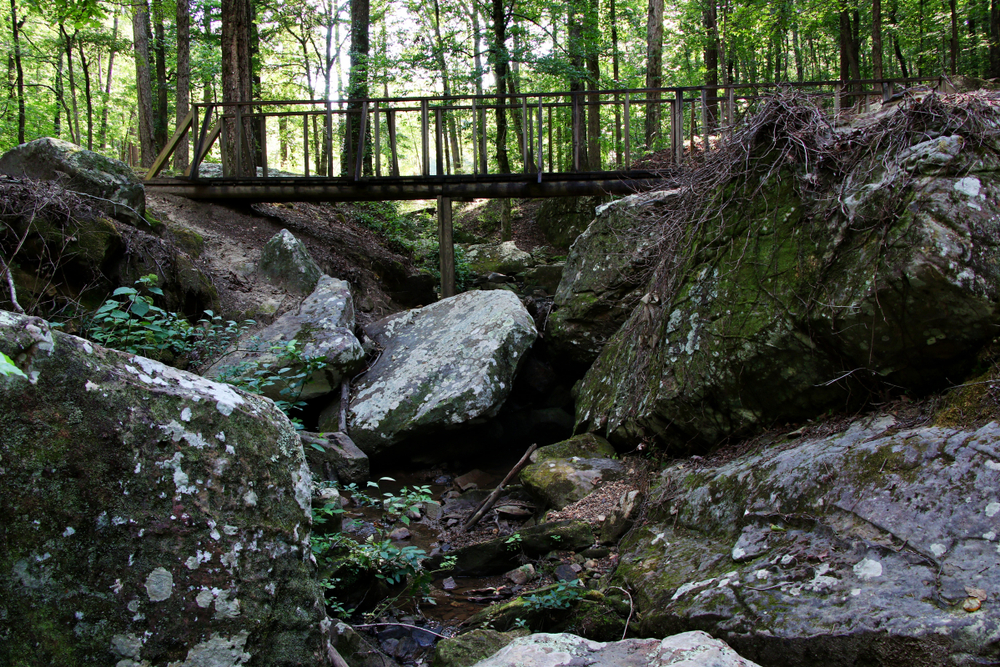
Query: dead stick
492	498
345	397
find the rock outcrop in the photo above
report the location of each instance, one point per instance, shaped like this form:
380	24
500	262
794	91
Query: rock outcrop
563	219
690	649
602	278
111	185
805	291
878	545
322	327
505	258
151	516
441	366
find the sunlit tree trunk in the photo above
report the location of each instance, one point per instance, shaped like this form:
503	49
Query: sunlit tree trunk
236	76
103	133
183	79
654	70
357	88
15	28
144	88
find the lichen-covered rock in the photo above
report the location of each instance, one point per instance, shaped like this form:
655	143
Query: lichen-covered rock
811	293
335	457
285	261
559	482
504	258
323	327
859	547
151	516
442	366
602	279
544	276
585	445
690	649
501	554
113	186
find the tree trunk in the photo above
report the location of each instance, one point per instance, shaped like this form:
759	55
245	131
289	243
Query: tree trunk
953	5
357	89
654	70
877	72
711	56
87	96
160	61
577	81
994	38
183	79
74	125
236	80
500	66
616	85
207	81
592	45
57	120
140	30
446	88
15	32
895	41
106	94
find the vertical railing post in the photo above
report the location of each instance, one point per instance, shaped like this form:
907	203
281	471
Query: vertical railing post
628	132
677	126
199	138
359	159
838	89
548	131
305	144
425	140
328	141
731	106
704	118
525	134
263	143
483	154
438	148
540	165
378	142
475	139
887	88
390	125
576	130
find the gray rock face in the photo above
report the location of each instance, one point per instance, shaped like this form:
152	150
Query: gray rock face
175	518
870	546
602	279
335	457
801	301
505	258
563	219
690	649
83	171
442	366
322	327
285	261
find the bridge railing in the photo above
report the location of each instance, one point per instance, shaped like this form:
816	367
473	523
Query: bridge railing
568	134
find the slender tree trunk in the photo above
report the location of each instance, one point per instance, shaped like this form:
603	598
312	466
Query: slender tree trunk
75	120
106	93
711	57
357	88
57	120
616	85
577	81
446	88
953	6
797	49
877	72
895	40
160	60
183	101
654	70
500	65
140	31
207	81
15	28
994	38
87	96
593	46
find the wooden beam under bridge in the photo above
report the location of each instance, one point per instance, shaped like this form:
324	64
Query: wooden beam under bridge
303	189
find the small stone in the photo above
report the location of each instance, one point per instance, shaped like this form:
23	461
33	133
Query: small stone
972	604
522	575
474	479
566	573
590	564
449	584
400	533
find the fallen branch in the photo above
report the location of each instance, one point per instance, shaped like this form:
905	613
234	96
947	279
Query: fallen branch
345	397
10	285
402	625
492	498
631	608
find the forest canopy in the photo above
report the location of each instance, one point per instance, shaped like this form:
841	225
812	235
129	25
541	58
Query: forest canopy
110	75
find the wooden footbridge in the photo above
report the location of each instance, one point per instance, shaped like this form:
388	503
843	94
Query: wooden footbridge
557	144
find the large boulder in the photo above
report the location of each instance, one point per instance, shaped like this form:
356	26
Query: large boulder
559	482
111	184
602	279
322	327
286	261
562	219
877	545
441	366
151	516
690	649
504	258
804	291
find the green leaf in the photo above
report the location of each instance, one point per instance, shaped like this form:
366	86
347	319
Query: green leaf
7	367
123	290
318	448
140	308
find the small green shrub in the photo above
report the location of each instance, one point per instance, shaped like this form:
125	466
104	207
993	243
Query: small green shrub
560	596
7	367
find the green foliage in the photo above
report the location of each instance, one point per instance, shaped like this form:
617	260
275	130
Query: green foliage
560	596
514	542
7	367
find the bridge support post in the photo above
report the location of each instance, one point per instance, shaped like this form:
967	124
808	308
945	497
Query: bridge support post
446	247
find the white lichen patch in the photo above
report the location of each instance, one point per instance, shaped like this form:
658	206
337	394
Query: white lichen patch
159	585
218	651
968	186
992	509
177	432
181	480
195	387
868	569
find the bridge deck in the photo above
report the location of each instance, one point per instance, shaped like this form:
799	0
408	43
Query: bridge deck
288	189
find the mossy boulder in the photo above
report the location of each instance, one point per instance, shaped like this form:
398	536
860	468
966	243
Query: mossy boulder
151	516
558	482
505	258
322	327
563	219
864	546
602	279
469	648
285	261
817	292
108	184
585	445
442	366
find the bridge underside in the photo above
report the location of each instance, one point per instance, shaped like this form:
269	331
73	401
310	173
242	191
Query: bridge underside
322	189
